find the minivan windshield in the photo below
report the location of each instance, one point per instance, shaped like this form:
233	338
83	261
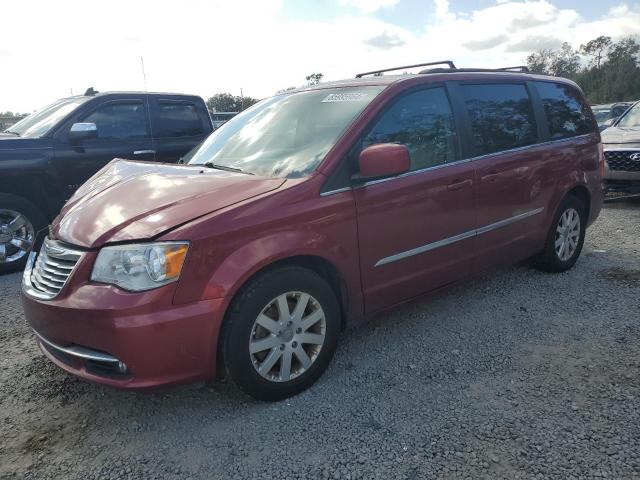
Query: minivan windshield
284	136
632	118
39	123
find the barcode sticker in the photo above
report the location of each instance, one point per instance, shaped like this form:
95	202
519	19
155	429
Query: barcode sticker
345	97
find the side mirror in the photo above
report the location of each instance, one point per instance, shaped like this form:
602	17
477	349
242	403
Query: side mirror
83	131
383	160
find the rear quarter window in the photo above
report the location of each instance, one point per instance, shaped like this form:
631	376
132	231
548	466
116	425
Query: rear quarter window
501	116
177	119
567	114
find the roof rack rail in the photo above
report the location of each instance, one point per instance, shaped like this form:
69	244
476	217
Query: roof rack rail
518	68
380	72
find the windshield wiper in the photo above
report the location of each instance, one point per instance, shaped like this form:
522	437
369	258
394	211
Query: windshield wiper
9	131
225	168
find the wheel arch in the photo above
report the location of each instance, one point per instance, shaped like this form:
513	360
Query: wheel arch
583	194
315	263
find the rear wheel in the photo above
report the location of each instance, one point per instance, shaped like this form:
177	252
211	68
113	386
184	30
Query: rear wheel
565	238
20	220
281	333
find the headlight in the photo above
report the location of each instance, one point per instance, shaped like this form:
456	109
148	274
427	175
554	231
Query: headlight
141	266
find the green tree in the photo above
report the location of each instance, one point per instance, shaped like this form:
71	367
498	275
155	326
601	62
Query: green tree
596	49
565	62
540	62
226	102
314	78
610	74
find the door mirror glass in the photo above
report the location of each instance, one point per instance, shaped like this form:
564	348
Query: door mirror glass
83	131
384	160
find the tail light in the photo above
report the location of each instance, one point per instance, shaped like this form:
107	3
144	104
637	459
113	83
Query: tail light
601	160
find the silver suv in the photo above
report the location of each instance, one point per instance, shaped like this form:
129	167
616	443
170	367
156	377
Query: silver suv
622	153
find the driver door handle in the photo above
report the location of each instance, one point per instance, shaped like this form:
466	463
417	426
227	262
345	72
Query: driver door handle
459	184
144	152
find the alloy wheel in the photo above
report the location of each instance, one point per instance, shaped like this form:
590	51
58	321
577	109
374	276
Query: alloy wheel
287	336
567	234
16	236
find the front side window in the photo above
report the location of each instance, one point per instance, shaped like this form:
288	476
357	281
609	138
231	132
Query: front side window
177	119
287	135
121	121
632	118
501	117
423	122
567	115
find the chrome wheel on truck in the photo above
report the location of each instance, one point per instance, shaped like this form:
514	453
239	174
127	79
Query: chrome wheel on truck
17	235
20	221
287	336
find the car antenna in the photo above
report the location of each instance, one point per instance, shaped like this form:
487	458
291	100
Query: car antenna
90	92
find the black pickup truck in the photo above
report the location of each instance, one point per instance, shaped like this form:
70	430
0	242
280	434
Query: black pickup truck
46	156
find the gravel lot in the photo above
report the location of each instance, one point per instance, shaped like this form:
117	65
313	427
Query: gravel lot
515	374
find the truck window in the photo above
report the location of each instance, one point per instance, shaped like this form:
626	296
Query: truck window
177	119
120	120
567	115
501	117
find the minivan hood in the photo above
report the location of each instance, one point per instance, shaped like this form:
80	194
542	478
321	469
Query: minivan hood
129	200
620	135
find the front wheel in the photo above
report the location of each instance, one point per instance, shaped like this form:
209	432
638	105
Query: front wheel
565	238
280	333
19	222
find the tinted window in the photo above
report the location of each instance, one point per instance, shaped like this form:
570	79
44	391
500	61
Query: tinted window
566	114
423	121
122	120
501	117
177	119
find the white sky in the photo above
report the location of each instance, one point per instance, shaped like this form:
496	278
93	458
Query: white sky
50	47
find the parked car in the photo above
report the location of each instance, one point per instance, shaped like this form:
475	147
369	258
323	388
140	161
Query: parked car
47	155
607	114
305	214
622	153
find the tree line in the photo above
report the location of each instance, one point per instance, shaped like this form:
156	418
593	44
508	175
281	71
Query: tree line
608	71
227	102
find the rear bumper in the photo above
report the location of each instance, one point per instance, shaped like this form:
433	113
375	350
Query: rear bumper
141	342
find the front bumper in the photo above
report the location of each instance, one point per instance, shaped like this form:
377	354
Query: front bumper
126	340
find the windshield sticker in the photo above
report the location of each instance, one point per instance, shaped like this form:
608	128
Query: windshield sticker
345	97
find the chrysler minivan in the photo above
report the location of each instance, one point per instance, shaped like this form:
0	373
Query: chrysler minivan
306	214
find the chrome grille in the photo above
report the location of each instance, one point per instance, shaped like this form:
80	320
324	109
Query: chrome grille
620	160
48	270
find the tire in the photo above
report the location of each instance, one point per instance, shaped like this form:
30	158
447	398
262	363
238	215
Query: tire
12	258
549	259
262	297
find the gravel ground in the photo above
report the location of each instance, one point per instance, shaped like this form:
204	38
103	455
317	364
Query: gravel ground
515	374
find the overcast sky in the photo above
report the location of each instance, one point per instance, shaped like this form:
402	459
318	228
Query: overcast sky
49	49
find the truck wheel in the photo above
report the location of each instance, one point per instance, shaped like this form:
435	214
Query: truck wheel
20	220
280	333
565	238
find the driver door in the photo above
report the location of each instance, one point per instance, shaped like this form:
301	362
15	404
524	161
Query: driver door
416	230
123	132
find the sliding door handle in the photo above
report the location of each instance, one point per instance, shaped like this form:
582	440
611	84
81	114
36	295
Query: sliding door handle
490	177
459	184
144	152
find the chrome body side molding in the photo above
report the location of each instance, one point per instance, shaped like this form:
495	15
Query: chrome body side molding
456	238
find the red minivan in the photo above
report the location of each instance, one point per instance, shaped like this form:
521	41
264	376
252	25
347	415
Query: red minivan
305	214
